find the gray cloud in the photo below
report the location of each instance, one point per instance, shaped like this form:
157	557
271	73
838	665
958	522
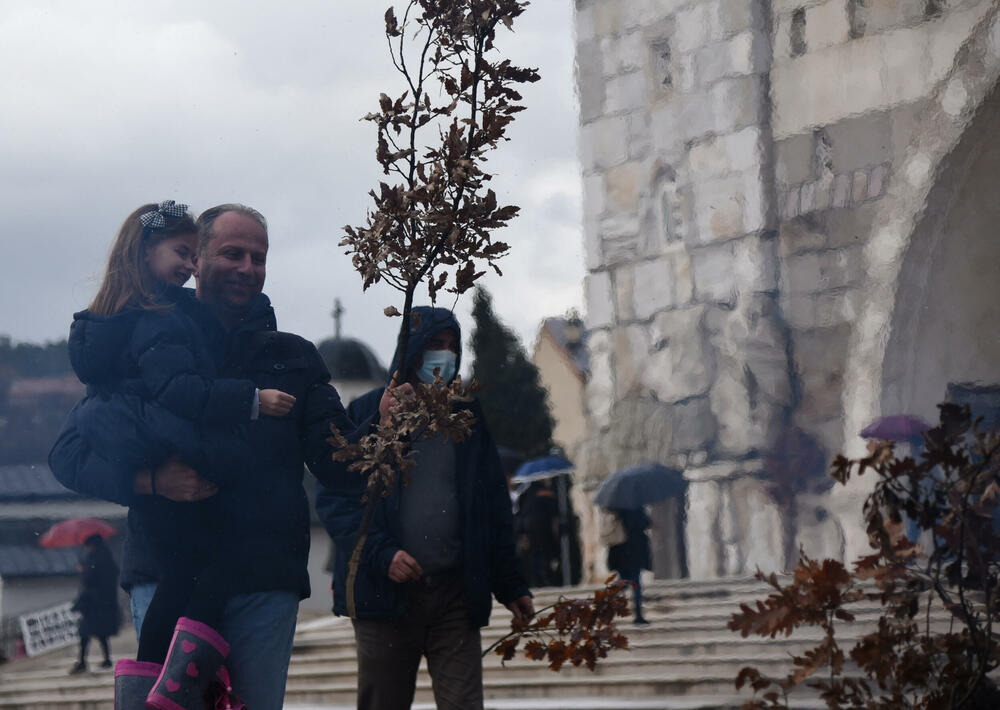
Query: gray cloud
109	105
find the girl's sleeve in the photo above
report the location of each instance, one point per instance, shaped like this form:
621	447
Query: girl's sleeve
164	352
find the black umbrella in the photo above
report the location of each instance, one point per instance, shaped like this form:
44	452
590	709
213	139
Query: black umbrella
640	485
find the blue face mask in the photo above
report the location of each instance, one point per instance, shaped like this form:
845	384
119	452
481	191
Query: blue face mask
444	360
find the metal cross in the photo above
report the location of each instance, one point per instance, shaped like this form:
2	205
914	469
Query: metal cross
337	312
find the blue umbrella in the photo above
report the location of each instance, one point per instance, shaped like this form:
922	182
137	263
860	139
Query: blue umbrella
539	469
640	485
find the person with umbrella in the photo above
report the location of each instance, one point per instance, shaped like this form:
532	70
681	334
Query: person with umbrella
624	493
629	558
544	515
97	601
538	517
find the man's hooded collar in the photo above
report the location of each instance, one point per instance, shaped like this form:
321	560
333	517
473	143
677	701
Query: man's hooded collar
425	323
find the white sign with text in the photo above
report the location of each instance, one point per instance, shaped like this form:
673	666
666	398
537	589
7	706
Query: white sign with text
49	628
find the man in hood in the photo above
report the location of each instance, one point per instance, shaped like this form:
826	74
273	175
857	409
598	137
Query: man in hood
436	551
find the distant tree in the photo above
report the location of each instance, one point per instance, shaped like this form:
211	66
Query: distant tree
33	360
514	402
28	428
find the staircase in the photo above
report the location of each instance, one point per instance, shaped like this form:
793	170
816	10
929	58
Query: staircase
685	659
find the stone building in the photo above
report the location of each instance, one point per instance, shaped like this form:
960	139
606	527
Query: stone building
789	225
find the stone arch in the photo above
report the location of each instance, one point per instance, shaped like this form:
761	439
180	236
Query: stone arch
945	313
905	233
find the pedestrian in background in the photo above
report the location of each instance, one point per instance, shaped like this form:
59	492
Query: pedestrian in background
97	601
633	555
538	520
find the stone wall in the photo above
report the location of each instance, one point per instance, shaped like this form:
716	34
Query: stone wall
736	156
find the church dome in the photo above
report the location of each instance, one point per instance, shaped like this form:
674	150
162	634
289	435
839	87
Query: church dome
349	359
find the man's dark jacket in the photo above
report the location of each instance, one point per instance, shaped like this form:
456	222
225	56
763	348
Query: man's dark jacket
489	559
266	506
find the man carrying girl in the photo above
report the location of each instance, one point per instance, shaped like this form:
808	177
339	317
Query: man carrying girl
190	396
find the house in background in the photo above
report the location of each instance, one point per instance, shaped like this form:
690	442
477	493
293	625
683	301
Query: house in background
561	357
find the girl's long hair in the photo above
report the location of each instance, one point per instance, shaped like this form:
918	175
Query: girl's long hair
128	281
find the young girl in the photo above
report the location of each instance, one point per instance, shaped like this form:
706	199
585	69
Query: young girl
148	351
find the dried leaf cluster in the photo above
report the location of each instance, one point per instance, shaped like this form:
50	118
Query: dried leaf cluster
433	221
426	411
575	631
909	660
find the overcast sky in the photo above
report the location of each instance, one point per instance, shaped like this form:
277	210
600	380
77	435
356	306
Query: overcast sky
107	105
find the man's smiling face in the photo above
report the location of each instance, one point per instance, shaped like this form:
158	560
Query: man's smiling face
231	271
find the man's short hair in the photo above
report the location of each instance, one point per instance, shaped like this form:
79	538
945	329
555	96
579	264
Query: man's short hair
206	221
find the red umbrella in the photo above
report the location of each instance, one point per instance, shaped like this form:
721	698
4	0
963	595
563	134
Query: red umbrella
898	427
73	533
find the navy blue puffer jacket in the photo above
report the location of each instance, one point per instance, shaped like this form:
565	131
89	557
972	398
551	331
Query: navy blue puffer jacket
154	387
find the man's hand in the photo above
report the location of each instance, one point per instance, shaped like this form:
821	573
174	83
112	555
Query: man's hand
389	397
275	403
523	608
176	481
404	568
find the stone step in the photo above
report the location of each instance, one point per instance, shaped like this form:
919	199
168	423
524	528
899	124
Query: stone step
679	609
63	685
685	702
662	683
94	698
653	650
612	666
302	676
685	660
340	631
668	649
679	590
694	630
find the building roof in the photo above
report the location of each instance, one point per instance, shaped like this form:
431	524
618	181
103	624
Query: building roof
31	483
348	359
30	500
34	387
31	561
561	329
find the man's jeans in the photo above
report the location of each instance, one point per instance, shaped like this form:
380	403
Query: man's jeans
434	625
259	627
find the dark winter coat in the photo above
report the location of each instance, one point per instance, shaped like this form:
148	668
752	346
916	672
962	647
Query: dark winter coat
489	559
265	505
539	511
97	601
633	554
154	388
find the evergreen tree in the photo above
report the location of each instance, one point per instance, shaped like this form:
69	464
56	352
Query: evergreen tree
33	360
514	403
